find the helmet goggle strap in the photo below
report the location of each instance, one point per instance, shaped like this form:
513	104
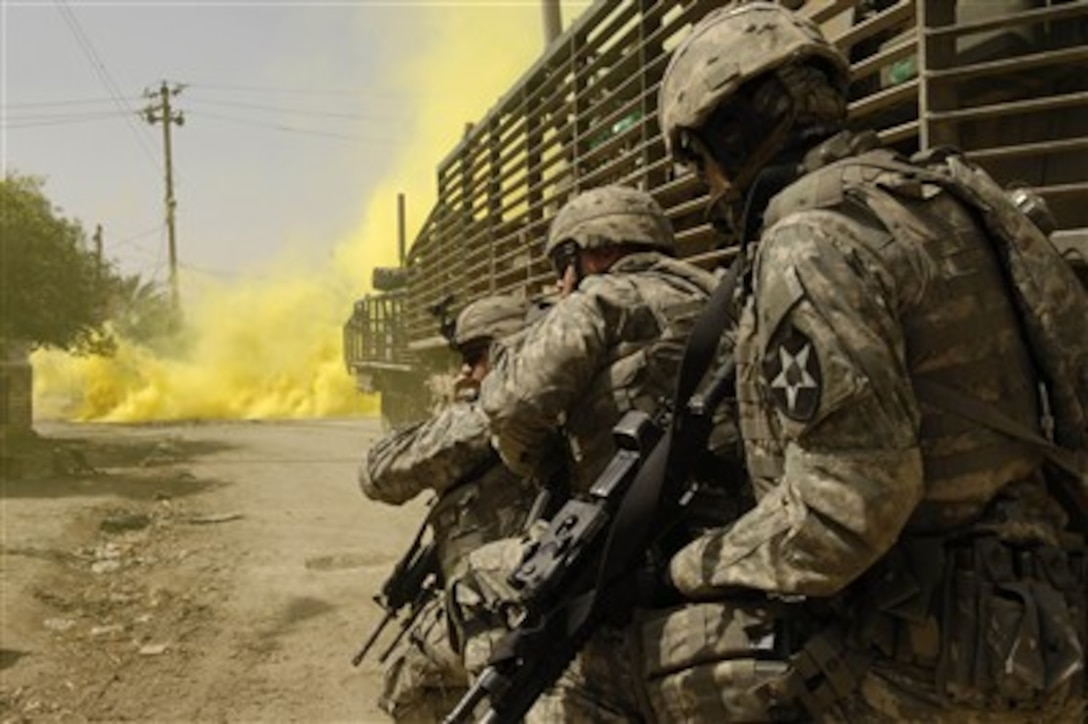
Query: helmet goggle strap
565	255
723	193
721	144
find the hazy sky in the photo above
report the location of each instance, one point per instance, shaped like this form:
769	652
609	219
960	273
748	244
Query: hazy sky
295	115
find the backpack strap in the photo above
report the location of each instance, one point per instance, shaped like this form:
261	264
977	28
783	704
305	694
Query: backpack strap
1073	462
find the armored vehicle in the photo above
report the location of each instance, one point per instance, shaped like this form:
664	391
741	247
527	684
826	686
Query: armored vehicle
1004	80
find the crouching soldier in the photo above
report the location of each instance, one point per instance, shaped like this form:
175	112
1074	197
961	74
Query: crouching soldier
479	500
910	556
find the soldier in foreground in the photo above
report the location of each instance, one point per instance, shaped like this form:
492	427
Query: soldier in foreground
910	557
611	344
479	500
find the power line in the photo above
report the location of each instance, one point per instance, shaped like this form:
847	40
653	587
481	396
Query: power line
104	76
133	238
35	121
293	91
80	102
286	129
283	109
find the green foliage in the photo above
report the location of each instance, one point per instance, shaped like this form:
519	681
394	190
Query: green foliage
141	311
56	292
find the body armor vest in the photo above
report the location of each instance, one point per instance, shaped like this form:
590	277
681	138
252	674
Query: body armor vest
958	323
643	365
494	505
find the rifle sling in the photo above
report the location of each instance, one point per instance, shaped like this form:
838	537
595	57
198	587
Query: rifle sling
628	535
640	506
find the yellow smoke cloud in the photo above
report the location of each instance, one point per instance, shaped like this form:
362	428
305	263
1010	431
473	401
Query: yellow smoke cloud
262	349
266	349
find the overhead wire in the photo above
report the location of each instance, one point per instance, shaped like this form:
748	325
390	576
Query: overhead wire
283	109
104	76
74	102
394	95
55	119
133	238
285	128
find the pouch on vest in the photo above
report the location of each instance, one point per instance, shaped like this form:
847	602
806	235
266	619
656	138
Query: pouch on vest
710	661
1012	621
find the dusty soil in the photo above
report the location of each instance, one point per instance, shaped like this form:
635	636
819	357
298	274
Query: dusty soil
198	572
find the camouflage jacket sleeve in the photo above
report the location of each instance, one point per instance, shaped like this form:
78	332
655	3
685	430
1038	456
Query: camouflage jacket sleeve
526	395
429	455
823	384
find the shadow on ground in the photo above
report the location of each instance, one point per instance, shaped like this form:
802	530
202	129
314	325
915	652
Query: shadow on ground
140	468
9	657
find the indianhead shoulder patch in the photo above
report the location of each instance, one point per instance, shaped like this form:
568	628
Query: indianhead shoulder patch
791	371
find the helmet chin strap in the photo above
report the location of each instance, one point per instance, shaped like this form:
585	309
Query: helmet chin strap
728	205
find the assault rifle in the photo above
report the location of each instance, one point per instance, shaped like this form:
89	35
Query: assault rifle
415	579
573	578
413	582
577	575
556	582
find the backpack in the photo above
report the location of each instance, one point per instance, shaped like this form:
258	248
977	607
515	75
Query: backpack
1052	306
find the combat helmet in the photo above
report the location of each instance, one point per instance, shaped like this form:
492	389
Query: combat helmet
608	216
492	317
727	48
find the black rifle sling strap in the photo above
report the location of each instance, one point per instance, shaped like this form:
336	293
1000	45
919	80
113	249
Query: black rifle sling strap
564	629
633	524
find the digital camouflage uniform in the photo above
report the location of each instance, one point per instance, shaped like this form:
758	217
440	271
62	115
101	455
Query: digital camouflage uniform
915	557
479	500
612	345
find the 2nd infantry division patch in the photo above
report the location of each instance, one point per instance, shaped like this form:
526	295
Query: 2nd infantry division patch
791	371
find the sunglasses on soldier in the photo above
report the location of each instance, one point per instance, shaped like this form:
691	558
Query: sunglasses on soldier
474	355
564	256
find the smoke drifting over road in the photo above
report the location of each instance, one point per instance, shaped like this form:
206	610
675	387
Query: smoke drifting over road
270	346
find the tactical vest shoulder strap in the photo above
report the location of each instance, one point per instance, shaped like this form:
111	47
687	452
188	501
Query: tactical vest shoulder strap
826	187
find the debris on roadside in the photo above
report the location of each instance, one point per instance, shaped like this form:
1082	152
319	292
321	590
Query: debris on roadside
213	518
69	461
108	630
59	624
124	521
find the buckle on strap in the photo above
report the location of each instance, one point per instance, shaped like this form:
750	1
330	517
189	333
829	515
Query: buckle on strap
824	671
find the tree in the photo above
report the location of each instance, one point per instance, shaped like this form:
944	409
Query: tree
142	311
56	292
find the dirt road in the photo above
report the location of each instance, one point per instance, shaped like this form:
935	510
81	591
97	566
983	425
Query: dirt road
203	572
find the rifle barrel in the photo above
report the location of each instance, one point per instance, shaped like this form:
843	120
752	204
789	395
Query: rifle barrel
361	654
468	703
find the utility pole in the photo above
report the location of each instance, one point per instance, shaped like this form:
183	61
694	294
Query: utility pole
162	113
553	23
98	253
